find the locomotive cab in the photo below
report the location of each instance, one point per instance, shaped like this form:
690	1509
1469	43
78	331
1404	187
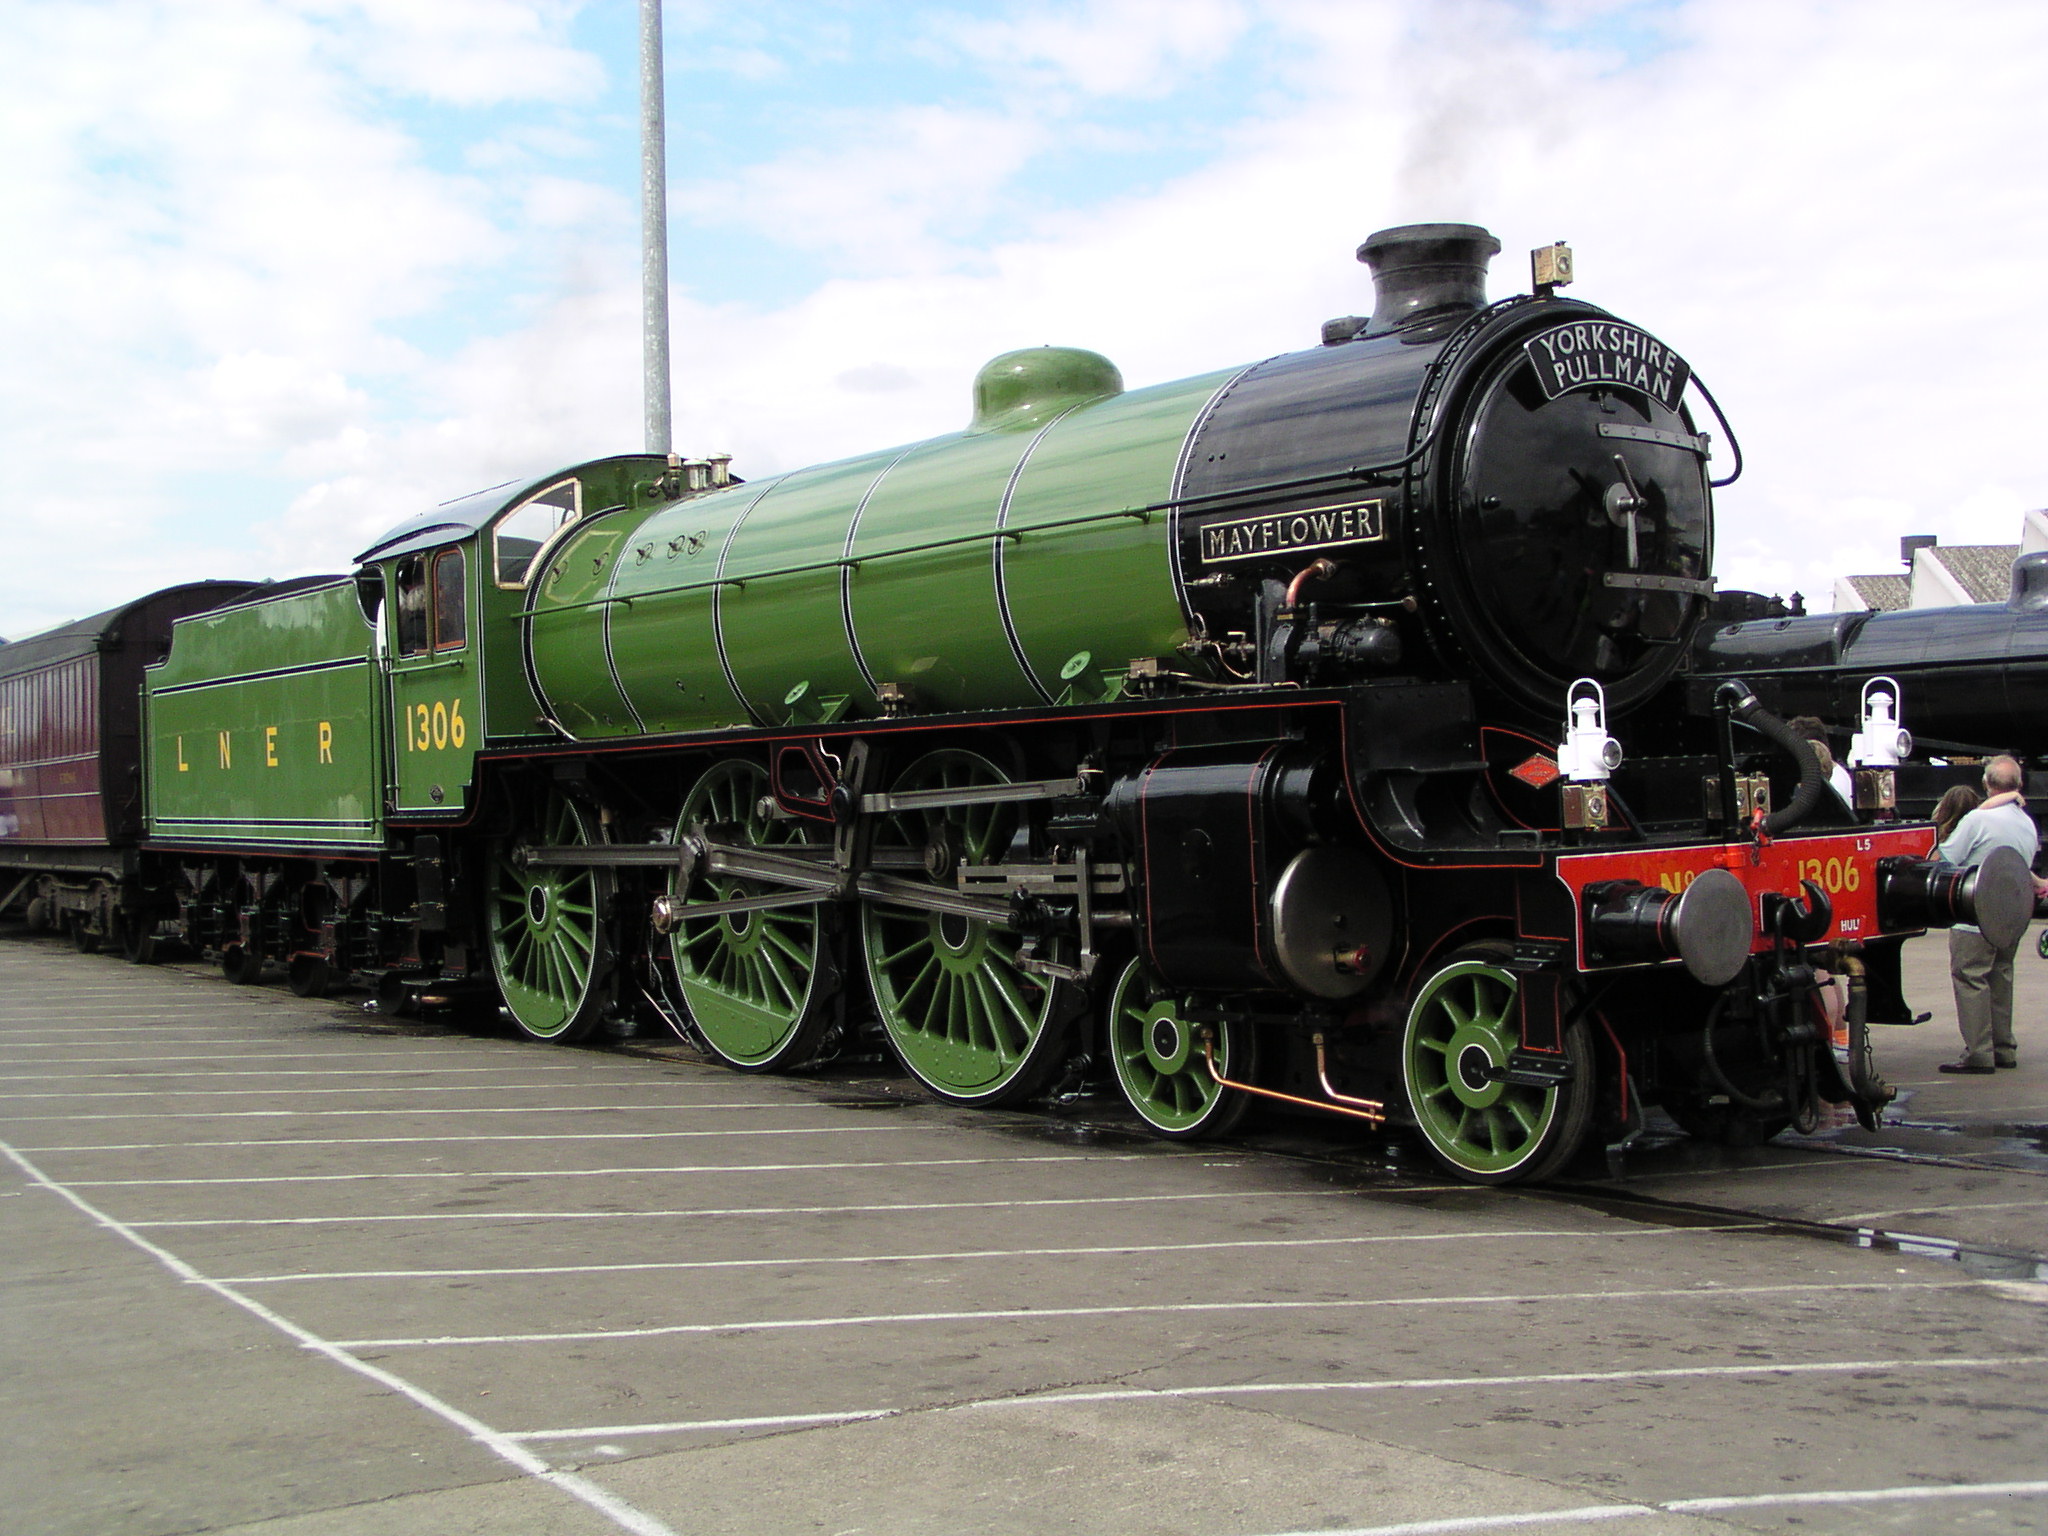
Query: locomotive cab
450	587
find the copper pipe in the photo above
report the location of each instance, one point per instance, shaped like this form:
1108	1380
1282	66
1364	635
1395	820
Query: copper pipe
1305	575
1377	1114
1323	1076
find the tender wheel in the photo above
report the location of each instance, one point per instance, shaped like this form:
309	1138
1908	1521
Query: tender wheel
1461	1026
755	983
968	1021
241	965
309	975
1162	1067
138	938
83	939
548	945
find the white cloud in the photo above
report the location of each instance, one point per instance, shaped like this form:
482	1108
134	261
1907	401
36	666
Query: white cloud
1128	48
1831	208
467	52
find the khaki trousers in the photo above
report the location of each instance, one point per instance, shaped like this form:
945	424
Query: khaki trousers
1983	982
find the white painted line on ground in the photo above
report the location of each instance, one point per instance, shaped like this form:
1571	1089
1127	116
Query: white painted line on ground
962	1255
1835	1160
2039	1203
98	1016
580	1172
763	1421
765	1210
622	1514
481	1109
160	1093
342	1053
1596	1513
272	1143
423	1071
1865	1496
607	1173
52	1045
1148	1309
1255	1389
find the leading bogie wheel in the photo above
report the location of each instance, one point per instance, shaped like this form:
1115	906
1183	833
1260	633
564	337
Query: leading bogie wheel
1455	1048
550	952
758	983
1168	1067
964	1015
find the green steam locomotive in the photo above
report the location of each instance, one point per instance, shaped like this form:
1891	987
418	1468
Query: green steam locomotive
1239	738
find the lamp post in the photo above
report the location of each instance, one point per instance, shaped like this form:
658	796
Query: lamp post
653	234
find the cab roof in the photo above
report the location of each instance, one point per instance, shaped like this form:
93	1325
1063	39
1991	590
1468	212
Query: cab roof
458	519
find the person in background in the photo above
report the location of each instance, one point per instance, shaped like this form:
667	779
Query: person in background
1839	783
1980	973
1959	800
1809	728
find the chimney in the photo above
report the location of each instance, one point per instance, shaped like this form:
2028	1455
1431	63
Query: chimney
1912	544
1421	271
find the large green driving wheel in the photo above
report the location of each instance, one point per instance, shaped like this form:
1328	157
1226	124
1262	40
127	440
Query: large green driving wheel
1162	1062
549	950
967	1020
1461	1029
756	983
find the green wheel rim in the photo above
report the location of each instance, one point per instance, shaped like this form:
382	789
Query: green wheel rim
1462	1026
1162	1067
547	937
749	979
967	1020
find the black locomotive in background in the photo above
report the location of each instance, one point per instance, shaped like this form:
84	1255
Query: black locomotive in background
1314	731
1972	680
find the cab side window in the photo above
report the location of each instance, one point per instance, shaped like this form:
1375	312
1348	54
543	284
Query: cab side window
529	527
412	604
449	616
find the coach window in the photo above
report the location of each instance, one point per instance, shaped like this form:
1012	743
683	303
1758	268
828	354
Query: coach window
529	527
411	606
448	604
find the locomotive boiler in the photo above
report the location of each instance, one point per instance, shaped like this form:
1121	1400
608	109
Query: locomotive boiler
1277	735
1510	495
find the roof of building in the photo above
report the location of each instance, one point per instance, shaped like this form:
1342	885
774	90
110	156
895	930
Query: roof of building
1982	570
1885	594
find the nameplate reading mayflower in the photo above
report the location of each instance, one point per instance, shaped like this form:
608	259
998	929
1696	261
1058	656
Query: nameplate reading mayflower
1279	533
1591	354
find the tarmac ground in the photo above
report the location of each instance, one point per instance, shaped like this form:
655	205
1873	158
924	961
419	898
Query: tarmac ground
282	1266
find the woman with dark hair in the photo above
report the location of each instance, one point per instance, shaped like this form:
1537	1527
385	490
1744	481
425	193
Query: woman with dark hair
1952	807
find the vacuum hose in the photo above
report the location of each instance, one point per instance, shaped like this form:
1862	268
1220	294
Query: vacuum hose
1873	1093
1813	780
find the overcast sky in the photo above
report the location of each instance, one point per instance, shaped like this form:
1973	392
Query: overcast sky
277	274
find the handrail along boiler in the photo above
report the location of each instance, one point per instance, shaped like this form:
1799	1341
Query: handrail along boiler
1247	736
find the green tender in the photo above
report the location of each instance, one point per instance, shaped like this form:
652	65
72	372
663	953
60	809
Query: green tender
1013	564
264	727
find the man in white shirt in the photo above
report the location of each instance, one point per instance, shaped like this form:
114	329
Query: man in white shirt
1981	974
